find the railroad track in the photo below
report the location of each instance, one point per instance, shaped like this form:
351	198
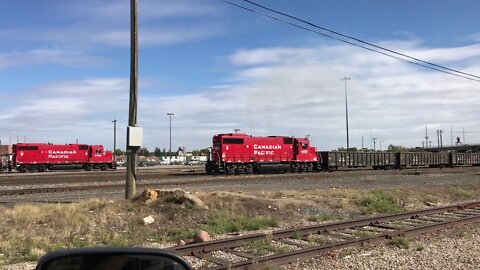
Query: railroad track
50	190
118	185
262	250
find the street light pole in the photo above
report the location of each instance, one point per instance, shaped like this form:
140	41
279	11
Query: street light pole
345	79
170	151
114	138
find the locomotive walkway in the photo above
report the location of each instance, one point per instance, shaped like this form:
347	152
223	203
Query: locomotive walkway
293	245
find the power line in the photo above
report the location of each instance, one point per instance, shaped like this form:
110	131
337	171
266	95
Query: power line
419	62
359	40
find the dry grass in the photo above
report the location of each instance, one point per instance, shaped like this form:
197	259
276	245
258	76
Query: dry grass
29	231
32	230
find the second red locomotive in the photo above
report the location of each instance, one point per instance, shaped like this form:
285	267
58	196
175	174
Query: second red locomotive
241	153
42	157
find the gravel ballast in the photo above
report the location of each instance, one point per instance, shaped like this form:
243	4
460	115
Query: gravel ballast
457	248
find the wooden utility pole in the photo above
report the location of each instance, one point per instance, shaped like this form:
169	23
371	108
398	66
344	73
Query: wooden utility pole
130	187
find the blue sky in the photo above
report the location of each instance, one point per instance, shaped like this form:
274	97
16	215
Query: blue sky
64	71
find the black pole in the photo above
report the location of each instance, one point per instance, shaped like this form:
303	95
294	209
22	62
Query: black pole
114	138
130	187
441	139
170	150
346	110
438	138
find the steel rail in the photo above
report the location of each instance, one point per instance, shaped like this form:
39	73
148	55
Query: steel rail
202	250
40	190
191	249
300	255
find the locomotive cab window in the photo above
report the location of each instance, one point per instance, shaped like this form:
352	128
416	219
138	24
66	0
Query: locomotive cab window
83	147
30	148
287	140
304	146
233	141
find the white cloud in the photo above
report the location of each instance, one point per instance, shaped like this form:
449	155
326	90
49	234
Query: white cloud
442	55
90	24
148	37
50	56
282	91
297	91
474	37
67	110
108	10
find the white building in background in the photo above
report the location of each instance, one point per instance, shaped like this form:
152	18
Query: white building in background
184	159
174	160
198	158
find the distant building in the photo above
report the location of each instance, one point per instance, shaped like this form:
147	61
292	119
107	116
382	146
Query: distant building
5	149
174	160
198	158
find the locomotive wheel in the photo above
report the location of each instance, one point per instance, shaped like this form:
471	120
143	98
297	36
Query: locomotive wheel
103	167
309	168
227	170
88	167
42	168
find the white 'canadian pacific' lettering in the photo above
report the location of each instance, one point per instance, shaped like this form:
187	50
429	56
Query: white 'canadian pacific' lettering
267	147
53	152
262	153
58	156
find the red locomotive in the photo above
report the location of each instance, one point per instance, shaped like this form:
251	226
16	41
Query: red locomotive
42	157
241	153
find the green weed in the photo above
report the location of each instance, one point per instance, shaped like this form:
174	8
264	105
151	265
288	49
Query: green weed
400	242
379	202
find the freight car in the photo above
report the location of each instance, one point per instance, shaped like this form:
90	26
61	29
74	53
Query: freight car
30	157
465	159
241	153
334	160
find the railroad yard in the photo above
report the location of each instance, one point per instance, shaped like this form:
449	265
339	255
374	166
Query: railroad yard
239	134
284	201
